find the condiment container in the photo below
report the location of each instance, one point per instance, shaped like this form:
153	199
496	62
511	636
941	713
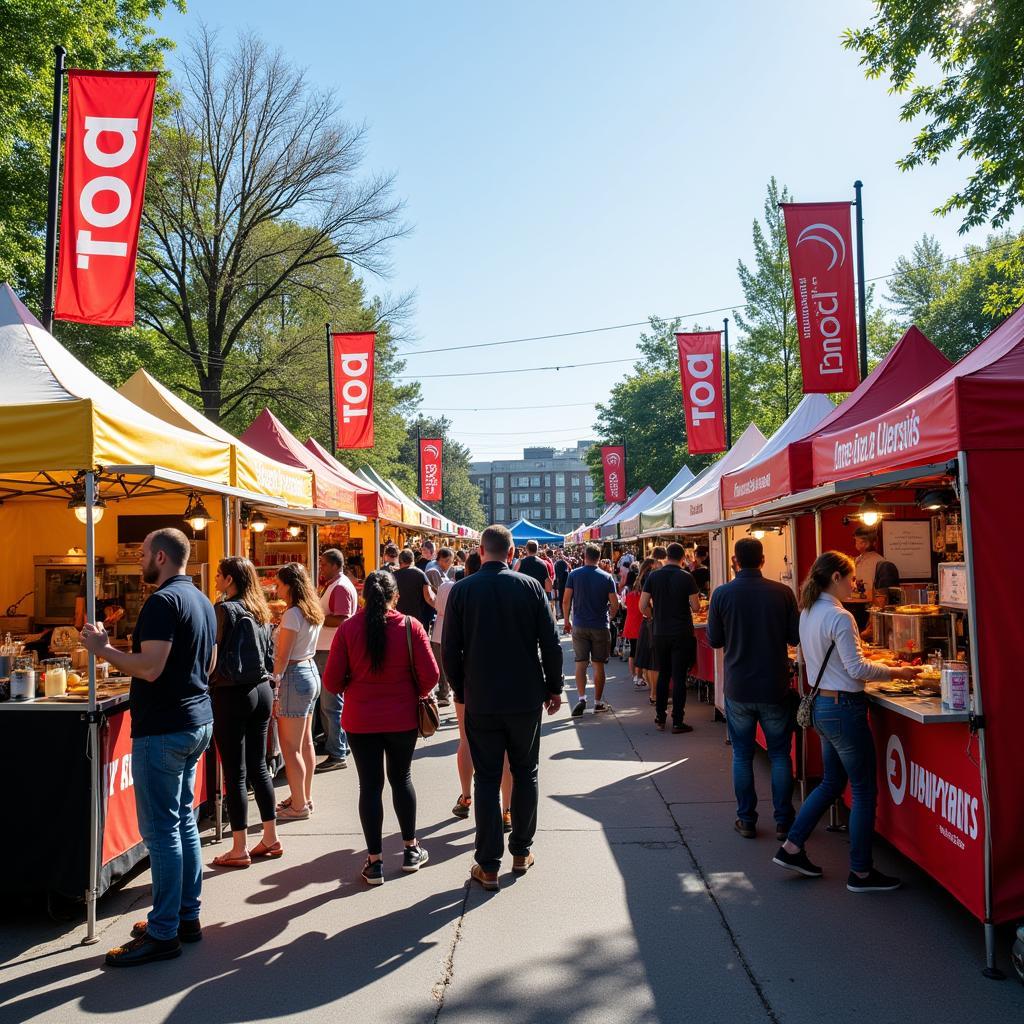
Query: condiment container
954	685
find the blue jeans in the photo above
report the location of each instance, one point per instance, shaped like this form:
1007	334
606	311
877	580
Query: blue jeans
331	707
164	768
848	753
776	720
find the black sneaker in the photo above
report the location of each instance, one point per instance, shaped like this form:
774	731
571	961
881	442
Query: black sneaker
874	882
330	764
798	862
602	705
414	858
681	727
373	872
143	950
188	931
579	708
659	724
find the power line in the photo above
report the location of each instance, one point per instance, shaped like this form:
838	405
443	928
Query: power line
508	408
517	433
524	369
681	316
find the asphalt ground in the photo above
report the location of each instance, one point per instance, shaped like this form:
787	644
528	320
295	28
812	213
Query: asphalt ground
644	906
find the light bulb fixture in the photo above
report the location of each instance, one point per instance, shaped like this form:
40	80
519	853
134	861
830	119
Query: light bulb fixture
196	514
78	506
870	511
936	499
257	522
294	530
757	531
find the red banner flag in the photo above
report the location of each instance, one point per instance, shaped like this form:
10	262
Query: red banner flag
700	371
110	114
430	468
613	458
821	265
353	388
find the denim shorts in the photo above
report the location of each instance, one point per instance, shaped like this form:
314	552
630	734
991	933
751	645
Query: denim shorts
300	687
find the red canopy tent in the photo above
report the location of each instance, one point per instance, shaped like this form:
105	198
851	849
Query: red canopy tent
964	427
913	362
372	502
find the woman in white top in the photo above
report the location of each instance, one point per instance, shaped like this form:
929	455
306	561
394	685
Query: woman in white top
829	637
297	686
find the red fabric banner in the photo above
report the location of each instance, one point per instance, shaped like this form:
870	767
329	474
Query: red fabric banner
700	370
613	458
110	114
821	265
430	468
353	388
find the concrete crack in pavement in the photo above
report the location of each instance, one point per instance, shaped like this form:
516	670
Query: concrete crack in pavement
698	868
440	989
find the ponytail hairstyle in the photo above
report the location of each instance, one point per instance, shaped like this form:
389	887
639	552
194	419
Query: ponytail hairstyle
302	591
249	593
819	579
379	590
646	568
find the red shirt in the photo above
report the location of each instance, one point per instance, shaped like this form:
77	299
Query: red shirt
550	565
384	699
631	630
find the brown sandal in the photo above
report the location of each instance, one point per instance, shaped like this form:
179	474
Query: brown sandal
228	860
271	852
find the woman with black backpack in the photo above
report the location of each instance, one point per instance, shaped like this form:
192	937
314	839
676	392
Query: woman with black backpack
242	701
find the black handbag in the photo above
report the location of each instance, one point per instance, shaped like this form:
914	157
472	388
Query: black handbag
805	710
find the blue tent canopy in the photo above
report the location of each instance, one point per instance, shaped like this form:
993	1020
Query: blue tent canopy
523	530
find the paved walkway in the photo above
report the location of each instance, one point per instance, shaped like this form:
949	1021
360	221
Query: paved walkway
644	906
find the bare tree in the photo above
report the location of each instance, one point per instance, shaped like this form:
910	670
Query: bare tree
255	188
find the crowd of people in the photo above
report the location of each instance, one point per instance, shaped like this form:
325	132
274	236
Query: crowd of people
477	629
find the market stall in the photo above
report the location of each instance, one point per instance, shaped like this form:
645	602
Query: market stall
523	530
658	511
640	501
84	474
955	450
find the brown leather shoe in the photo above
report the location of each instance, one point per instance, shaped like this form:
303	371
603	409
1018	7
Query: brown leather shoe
488	879
520	865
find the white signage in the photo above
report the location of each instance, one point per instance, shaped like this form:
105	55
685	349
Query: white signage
953	584
908	544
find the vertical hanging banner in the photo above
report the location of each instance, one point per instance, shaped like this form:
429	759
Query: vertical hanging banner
821	264
353	388
613	458
700	372
430	468
110	114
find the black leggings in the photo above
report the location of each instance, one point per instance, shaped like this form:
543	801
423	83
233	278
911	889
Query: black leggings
241	718
370	750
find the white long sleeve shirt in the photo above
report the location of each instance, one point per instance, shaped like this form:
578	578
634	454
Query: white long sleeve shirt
847	669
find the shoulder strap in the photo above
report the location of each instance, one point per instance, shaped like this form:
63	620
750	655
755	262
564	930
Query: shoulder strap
412	660
821	671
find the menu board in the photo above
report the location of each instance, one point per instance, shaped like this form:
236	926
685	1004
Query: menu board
908	544
953	584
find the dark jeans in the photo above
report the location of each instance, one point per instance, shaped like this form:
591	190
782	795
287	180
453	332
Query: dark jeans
742	718
241	718
490	737
674	656
164	768
848	753
372	750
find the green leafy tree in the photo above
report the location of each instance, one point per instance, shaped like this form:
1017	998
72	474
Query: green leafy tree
973	106
96	34
460	496
768	380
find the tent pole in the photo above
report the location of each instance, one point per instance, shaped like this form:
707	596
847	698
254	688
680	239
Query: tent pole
376	544
218	800
94	747
991	970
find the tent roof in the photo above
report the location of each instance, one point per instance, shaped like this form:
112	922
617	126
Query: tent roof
912	362
57	415
523	530
249	468
423	514
633	507
701	502
739	485
974	405
267	434
371	500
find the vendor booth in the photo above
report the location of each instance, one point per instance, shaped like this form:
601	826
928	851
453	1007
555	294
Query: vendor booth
523	530
939	471
84	475
611	530
658	512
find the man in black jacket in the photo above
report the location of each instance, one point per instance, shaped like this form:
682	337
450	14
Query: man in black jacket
754	619
504	663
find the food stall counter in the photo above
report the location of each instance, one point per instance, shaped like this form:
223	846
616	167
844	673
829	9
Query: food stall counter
925	710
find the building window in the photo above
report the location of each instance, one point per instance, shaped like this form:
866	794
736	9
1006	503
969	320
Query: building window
499	511
559	511
547	479
576	513
535	481
499	482
576	496
559	479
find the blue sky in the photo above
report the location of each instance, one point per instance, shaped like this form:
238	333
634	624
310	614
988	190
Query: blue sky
571	165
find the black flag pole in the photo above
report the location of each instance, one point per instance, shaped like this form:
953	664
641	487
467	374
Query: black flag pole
52	196
862	301
330	388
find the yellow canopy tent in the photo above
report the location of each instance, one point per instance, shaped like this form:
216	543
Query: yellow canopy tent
250	469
